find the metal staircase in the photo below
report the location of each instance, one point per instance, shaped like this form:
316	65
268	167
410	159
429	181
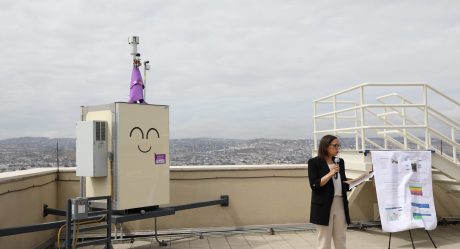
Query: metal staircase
394	116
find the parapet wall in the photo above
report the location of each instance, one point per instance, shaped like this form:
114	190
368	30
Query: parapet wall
259	195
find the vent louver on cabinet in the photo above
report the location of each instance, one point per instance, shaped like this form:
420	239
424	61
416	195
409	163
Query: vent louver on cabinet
100	131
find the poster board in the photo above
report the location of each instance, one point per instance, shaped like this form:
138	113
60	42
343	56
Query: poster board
403	181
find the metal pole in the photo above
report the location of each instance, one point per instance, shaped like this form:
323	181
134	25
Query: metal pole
431	239
441	149
57	157
162	242
411	240
109	223
454	149
334	108
82	178
361	96
315	139
145	81
389	241
115	232
425	102
68	232
385	141
356	131
404	123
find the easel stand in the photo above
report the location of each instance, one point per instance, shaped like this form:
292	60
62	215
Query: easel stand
413	246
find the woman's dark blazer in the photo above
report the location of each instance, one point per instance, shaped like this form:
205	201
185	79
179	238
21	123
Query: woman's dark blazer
322	197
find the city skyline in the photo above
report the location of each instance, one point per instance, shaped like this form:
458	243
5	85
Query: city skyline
25	153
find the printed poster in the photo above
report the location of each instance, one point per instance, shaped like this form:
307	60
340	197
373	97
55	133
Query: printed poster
404	188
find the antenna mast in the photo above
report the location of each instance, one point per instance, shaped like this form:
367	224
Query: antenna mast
134	41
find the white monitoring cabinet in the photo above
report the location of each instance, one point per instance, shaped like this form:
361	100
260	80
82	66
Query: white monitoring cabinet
91	145
138	148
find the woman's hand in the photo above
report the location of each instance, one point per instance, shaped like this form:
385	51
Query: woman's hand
350	181
334	169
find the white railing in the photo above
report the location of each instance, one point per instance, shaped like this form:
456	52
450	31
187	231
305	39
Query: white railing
390	120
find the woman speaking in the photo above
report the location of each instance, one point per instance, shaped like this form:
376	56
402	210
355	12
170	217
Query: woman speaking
329	204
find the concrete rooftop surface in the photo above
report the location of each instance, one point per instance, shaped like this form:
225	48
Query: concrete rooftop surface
446	236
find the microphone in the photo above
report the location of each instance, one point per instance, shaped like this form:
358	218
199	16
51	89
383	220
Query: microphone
336	161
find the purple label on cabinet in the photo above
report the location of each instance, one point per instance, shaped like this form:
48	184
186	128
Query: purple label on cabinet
160	158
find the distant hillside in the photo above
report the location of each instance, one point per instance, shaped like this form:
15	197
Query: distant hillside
30	152
207	151
38	142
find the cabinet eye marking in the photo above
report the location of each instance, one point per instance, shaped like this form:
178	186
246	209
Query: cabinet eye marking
142	136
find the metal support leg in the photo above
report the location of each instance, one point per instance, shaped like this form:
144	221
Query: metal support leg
47	210
431	239
161	243
116	232
108	244
411	240
68	231
389	241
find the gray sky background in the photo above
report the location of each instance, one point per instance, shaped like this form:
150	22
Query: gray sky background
228	69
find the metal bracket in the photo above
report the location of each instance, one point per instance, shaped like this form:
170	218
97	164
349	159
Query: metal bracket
47	210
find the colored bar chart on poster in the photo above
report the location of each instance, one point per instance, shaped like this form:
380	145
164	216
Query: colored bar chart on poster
404	186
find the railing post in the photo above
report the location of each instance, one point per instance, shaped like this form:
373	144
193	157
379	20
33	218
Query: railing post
356	131
425	103
315	139
404	123
361	95
454	149
385	142
334	108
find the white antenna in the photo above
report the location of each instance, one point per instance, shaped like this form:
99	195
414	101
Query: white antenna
134	41
146	67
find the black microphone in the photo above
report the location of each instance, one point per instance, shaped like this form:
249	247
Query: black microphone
336	161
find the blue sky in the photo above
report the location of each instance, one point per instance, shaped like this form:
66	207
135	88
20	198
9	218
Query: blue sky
228	69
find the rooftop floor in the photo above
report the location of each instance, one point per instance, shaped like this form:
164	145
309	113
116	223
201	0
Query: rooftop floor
447	236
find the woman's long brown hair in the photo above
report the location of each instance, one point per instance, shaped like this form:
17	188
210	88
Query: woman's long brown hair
323	144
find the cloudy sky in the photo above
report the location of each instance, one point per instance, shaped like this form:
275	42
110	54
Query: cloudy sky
228	69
